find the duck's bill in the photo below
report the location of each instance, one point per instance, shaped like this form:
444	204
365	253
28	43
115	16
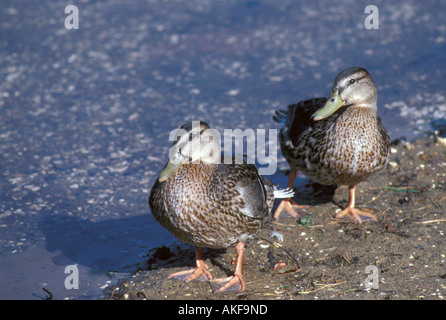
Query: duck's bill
170	169
332	104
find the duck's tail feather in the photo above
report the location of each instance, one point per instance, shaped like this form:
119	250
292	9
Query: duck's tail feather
283	193
281	116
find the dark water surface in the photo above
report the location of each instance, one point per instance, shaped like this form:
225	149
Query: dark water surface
85	114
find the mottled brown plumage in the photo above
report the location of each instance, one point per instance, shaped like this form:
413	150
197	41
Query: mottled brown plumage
336	141
210	203
204	204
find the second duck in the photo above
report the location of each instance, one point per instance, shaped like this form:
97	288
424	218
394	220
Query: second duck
336	141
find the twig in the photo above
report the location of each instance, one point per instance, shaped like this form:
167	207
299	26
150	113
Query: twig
345	256
288	225
431	221
323	287
384	211
50	295
413	190
375	198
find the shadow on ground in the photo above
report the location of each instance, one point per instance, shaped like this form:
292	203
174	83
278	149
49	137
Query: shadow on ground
109	245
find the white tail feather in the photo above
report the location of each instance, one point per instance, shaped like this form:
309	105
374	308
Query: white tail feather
283	193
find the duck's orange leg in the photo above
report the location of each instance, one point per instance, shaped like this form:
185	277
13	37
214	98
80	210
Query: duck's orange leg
233	283
198	273
288	204
352	214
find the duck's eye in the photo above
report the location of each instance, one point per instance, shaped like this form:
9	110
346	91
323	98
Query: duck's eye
352	81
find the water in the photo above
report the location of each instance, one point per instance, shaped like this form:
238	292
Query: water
85	114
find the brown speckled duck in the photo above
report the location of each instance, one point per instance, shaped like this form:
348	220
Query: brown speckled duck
207	203
336	141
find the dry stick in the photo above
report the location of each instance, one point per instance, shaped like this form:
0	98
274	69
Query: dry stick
431	221
344	255
323	287
374	198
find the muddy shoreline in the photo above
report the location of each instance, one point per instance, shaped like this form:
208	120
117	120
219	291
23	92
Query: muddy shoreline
318	257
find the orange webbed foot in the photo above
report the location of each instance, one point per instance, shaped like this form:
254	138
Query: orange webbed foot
199	273
290	207
355	215
192	275
230	284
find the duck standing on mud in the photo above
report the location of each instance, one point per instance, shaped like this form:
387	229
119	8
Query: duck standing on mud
207	203
336	141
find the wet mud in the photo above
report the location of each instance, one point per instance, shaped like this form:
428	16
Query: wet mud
402	256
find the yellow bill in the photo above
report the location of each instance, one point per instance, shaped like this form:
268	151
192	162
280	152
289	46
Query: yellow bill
171	168
332	104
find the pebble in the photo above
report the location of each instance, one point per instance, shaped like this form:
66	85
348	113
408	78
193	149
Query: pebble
277	235
393	164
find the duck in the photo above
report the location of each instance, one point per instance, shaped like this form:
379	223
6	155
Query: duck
205	201
338	140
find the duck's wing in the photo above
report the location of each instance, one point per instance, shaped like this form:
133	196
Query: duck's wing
244	189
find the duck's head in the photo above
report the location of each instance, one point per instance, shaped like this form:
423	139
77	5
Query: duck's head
353	86
193	142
